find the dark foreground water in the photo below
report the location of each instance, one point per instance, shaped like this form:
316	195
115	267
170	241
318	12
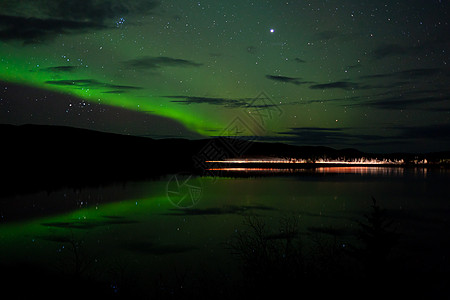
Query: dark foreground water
183	236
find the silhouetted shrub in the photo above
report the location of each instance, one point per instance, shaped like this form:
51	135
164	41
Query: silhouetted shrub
378	238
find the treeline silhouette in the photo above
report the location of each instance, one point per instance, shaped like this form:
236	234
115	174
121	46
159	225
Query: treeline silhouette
41	157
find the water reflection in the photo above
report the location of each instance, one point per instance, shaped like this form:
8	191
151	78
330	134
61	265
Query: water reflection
361	170
133	235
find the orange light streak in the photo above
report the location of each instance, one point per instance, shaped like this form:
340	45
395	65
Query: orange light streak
261	161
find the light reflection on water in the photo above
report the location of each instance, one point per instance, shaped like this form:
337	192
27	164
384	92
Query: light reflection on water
138	224
361	170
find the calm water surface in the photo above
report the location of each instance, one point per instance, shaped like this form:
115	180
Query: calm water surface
182	225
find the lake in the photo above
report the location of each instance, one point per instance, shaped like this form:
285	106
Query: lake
184	235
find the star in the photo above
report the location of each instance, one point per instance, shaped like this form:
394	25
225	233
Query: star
272	30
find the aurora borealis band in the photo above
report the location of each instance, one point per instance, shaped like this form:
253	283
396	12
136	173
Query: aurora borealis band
371	75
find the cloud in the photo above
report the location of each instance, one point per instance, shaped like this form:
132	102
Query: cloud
208	100
36	21
286	79
324	136
115	92
60	69
313	134
90	224
406	102
423	72
436	40
92	84
89	10
355	66
314	129
225	210
299	60
409	74
344	85
408	89
248	103
433	132
31	30
407	99
150	62
100	10
389	50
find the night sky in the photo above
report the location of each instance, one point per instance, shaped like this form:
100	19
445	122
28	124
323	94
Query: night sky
371	75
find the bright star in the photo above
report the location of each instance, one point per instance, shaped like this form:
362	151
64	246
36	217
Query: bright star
120	21
272	30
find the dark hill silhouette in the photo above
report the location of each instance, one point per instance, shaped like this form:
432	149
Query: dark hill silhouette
45	157
41	157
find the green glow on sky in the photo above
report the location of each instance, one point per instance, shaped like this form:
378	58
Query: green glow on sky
338	73
18	70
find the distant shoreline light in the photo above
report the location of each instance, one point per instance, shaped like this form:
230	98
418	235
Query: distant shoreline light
319	161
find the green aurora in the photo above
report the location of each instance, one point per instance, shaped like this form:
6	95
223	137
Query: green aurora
371	75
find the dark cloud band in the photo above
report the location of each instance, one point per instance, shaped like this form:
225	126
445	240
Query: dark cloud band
285	79
151	63
33	22
91	84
